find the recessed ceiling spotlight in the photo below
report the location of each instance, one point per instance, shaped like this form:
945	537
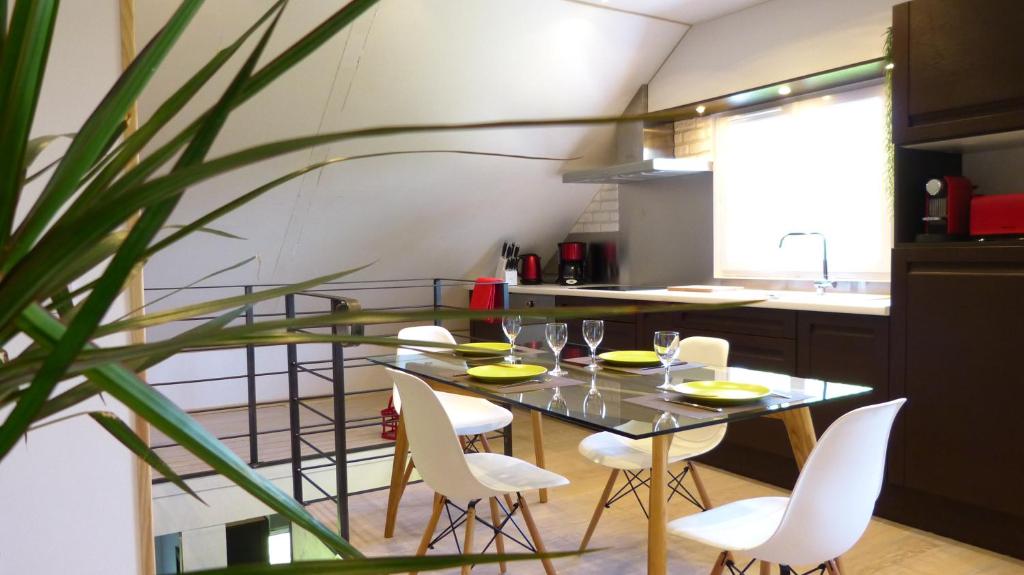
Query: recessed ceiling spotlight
890	66
700	109
785	90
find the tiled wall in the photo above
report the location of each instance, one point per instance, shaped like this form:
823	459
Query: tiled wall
693	138
602	215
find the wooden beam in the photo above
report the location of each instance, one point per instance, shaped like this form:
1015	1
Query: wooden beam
136	299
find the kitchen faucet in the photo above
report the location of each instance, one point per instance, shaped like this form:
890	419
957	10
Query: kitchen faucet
824	282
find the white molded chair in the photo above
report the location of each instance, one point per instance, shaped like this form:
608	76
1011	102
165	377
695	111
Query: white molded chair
464	479
826	514
470	416
633	456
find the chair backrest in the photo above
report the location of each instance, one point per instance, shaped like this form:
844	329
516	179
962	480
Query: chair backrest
434	333
432	440
712	351
835	494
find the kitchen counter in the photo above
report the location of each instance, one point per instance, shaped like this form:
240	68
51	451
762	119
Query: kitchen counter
830	302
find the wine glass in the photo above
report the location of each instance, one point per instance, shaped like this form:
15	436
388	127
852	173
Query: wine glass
666	344
593	333
557	403
666	421
556	334
512	325
593	403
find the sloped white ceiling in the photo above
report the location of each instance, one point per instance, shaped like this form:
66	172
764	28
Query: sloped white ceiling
684	11
409	61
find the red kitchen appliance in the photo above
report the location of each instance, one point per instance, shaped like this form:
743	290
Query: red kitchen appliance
947	208
572	257
997	215
531	272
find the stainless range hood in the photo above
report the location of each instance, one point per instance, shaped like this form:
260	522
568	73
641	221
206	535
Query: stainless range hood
643	151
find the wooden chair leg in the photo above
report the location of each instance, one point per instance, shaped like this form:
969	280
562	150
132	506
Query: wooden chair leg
766	568
833	567
397	472
702	491
719	567
549	569
499	541
467	545
600	509
428	534
405	479
486	444
538	447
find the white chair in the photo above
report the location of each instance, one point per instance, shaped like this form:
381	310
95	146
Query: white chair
828	511
472	417
632	456
462	480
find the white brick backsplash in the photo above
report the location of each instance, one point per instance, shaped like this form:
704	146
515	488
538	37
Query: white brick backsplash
614	216
610	206
610	227
602	213
601	217
591	227
586	217
611	195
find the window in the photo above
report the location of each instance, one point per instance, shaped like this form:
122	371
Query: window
813	165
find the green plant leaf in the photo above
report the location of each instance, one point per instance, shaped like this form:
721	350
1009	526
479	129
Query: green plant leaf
212	306
253	194
37	145
95	133
382	565
120	430
194	283
23	64
165	416
116	273
206	230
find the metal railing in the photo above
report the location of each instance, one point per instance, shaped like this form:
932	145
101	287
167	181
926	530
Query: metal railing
331	370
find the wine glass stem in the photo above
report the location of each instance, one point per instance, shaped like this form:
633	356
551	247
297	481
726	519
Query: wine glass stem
558	356
593	357
668	376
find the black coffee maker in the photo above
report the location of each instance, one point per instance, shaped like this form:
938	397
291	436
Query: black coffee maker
572	257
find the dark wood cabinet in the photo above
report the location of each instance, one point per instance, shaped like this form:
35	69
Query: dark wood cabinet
960	325
957	69
619	330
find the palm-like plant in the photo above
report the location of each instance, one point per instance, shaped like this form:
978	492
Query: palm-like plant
100	209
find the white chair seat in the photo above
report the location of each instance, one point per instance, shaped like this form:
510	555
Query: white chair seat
504	474
618	452
473	415
735	526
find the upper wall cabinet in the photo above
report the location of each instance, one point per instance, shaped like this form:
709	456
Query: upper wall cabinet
959	69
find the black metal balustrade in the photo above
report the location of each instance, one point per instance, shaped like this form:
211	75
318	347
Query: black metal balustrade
338	296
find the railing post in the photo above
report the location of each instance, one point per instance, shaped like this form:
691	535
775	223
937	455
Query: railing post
504	295
340	424
250	375
293	405
437	299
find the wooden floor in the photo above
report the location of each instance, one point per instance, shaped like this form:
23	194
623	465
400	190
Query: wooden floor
886	549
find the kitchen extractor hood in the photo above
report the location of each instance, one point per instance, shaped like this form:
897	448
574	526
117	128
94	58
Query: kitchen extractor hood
643	151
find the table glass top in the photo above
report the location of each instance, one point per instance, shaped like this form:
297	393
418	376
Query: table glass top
606	400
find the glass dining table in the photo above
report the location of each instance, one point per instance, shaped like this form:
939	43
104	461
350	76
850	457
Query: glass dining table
626	403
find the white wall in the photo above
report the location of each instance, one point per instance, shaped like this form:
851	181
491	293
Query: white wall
67	494
769	42
411	61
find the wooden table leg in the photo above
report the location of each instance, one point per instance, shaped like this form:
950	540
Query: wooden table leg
800	430
538	447
397	474
657	525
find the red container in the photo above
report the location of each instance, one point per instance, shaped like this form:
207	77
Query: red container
531	272
572	251
997	215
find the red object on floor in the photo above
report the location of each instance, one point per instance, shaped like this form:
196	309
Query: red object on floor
389	421
486	295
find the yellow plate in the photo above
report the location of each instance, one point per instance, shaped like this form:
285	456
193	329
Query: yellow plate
725	392
483	348
636	358
505	373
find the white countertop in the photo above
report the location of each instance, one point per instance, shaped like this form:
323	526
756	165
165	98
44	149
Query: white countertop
832	302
